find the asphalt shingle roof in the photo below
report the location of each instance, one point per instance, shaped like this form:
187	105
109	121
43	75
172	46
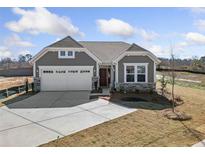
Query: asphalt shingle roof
105	51
66	42
135	47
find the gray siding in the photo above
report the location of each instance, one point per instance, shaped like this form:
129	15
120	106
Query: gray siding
51	59
136	59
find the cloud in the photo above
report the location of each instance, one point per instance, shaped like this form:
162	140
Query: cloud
4	52
200	24
115	27
40	20
197	10
193	38
147	35
123	29
165	51
159	51
24	52
15	40
182	44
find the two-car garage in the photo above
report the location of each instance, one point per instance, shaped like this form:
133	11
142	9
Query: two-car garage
60	78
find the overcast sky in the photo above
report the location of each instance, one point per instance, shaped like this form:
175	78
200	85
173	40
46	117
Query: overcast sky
28	30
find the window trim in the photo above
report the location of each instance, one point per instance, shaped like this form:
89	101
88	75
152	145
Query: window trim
130	74
66	54
135	72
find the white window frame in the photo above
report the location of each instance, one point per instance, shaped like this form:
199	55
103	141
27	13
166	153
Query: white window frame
66	55
135	71
130	74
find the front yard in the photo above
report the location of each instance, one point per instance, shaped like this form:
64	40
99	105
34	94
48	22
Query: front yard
147	126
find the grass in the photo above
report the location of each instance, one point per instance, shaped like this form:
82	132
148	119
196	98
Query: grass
188	76
192	85
147	126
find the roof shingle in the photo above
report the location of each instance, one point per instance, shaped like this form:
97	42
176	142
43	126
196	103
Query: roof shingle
66	42
105	51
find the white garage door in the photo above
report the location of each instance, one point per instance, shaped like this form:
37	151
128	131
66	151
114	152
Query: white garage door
60	78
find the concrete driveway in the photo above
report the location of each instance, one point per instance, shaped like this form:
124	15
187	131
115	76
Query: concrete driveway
199	144
47	116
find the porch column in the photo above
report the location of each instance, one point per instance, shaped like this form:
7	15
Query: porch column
97	74
116	74
111	76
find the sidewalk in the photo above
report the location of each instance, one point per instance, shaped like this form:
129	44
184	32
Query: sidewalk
200	144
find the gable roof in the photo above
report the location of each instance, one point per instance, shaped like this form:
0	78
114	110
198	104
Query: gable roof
135	47
105	51
66	42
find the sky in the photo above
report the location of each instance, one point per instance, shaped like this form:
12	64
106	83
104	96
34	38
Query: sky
160	30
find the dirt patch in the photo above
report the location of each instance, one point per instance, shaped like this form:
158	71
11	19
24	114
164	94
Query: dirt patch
13	81
201	128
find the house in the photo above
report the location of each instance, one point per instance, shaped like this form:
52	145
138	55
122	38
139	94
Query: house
85	65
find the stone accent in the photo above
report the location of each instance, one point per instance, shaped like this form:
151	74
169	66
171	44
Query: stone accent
135	87
37	84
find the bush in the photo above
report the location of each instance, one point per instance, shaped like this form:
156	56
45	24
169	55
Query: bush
163	85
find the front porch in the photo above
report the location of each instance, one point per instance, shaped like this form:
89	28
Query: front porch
104	82
107	78
104	78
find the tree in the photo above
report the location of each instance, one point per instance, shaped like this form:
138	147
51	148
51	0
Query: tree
6	60
203	59
173	77
197	64
24	58
28	57
21	59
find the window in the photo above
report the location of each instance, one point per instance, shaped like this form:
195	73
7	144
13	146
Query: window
70	53
141	74
47	71
130	74
85	71
60	71
66	54
72	71
135	72
62	53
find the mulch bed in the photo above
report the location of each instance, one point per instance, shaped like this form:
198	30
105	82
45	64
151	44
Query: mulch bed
181	116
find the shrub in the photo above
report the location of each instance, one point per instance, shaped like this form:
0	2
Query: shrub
163	84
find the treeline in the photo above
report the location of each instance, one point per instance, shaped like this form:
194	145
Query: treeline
20	59
194	64
21	62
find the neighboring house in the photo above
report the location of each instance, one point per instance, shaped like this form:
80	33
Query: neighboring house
85	65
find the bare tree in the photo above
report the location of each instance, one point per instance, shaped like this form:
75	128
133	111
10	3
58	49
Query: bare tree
173	77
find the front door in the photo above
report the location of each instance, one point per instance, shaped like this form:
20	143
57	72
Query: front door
103	77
